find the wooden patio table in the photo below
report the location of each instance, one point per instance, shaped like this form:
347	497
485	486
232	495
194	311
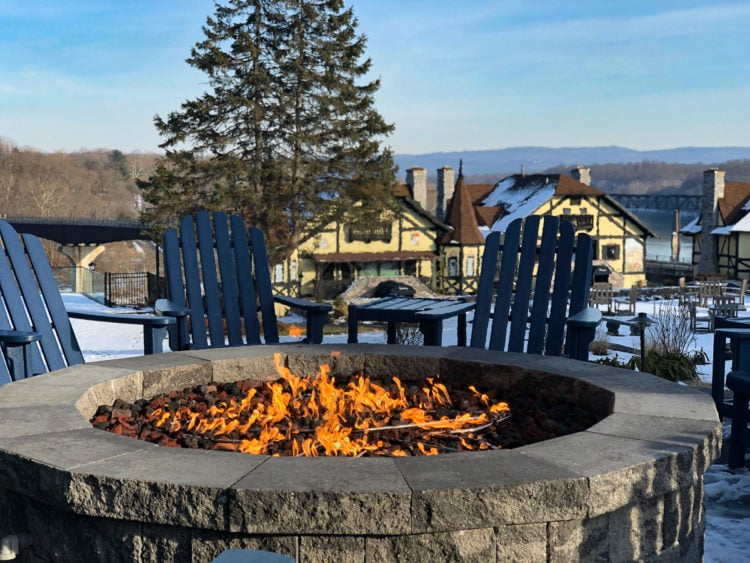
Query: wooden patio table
429	313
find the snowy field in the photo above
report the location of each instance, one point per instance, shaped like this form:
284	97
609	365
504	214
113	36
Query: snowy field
727	493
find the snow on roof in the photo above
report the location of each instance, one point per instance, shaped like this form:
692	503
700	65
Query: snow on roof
743	225
723	230
519	200
692	228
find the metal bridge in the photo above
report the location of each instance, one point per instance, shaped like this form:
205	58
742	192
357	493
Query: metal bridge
661	201
79	231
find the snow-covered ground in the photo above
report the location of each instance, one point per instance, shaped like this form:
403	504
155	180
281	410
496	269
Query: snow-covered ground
727	493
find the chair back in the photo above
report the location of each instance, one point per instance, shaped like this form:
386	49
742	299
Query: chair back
534	276
601	294
32	302
218	270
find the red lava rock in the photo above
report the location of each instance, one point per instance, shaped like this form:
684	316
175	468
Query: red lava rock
534	418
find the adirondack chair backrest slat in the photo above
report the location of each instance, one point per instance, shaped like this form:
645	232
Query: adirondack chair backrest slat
228	285
263	283
246	285
543	285
505	284
219	271
536	287
559	306
209	277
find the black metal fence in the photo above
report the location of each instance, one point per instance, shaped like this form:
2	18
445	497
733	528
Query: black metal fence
134	289
125	288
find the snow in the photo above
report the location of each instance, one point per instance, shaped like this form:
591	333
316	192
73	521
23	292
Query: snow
727	493
692	228
518	202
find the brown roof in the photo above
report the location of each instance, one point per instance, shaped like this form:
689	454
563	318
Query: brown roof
736	195
462	217
486	216
402	190
567	186
392	256
477	192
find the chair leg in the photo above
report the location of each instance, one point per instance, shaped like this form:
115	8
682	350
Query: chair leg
352	324
315	322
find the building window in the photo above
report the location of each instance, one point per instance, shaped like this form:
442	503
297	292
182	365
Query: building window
611	252
470	266
575	200
278	273
293	270
453	267
566	210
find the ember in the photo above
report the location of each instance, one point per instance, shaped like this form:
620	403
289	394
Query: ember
314	416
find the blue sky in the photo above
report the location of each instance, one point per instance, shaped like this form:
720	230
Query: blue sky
456	74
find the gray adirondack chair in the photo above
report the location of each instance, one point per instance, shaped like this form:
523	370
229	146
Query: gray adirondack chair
540	275
219	284
35	331
533	291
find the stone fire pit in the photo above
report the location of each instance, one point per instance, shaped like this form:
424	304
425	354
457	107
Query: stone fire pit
630	487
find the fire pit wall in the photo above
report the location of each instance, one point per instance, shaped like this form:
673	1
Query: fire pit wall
630	487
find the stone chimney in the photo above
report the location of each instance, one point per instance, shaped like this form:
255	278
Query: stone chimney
713	190
581	174
416	181
446	183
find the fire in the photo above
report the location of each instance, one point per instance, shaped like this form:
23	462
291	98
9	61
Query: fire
314	416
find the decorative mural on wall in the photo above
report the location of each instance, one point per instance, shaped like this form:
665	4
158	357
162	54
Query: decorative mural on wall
633	256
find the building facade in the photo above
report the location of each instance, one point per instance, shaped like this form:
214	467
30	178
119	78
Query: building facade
437	233
724	223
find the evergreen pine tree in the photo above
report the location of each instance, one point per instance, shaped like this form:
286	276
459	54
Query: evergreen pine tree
286	135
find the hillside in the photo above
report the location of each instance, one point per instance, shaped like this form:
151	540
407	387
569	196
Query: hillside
682	174
102	184
537	159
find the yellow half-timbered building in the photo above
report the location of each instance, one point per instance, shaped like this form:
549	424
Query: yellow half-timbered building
402	243
619	236
438	237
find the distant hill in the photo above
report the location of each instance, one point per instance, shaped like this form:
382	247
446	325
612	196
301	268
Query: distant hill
538	159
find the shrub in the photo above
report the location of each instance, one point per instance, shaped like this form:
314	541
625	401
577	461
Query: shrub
600	345
674	366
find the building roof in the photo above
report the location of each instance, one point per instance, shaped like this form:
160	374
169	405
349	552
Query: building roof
733	205
520	195
462	216
734	208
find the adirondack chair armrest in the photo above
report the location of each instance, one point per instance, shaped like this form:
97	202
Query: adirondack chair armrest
18	337
581	332
303	304
154	326
17	350
590	317
316	313
168	308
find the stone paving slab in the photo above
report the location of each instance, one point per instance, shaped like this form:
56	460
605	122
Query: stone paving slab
498	486
322	495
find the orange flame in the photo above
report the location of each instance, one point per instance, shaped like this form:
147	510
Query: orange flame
315	416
